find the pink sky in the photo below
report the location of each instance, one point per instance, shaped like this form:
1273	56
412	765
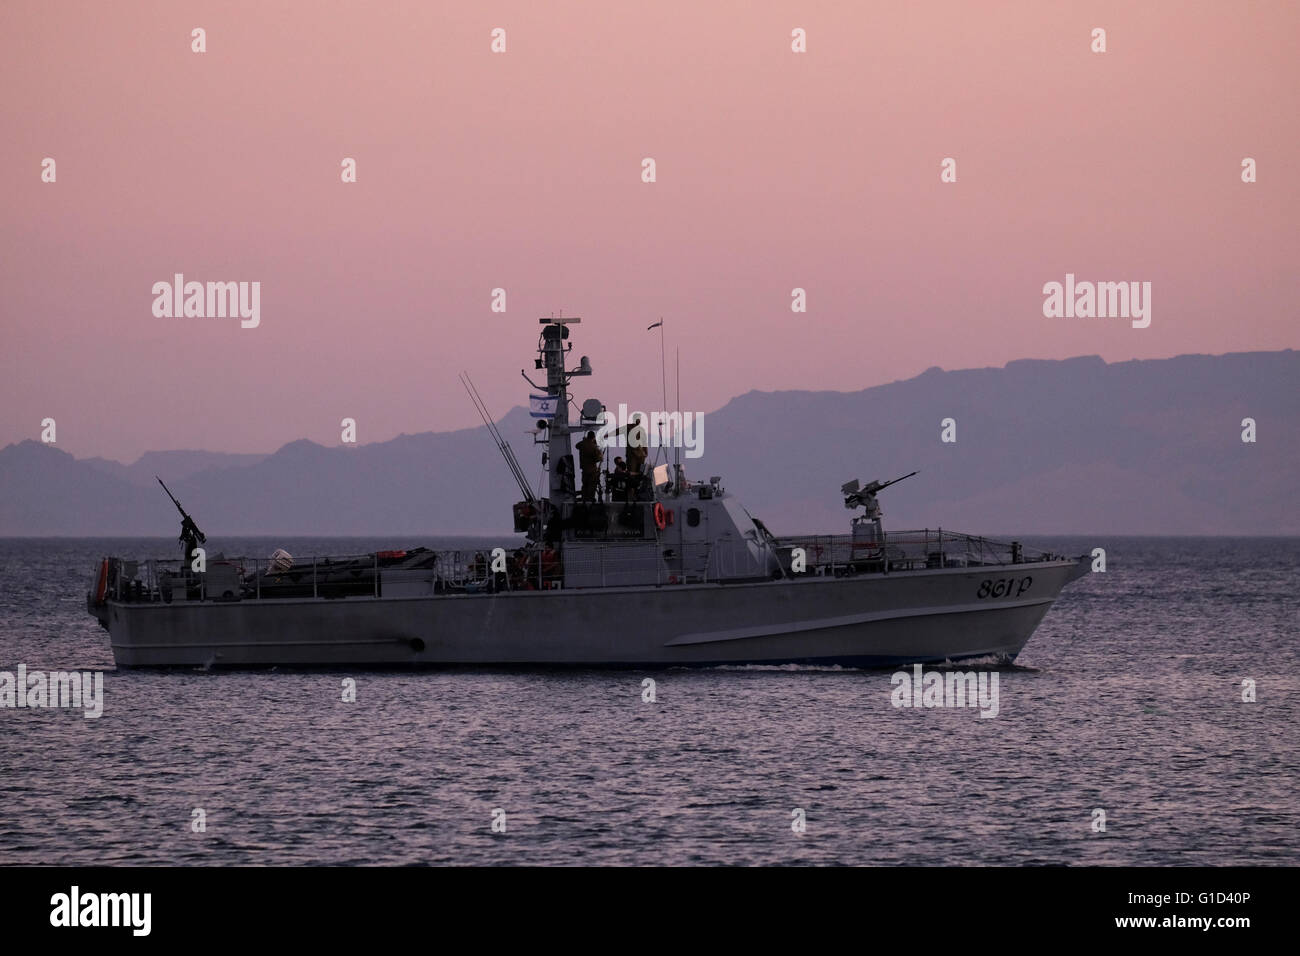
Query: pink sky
522	170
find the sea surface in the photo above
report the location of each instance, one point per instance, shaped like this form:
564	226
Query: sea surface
1127	700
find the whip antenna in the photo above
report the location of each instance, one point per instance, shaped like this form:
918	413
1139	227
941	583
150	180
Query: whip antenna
503	446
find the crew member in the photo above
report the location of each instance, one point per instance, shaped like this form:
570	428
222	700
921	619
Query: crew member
618	482
637	443
590	457
190	536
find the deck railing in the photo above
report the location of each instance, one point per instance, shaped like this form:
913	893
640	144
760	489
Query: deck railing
471	571
902	551
244	578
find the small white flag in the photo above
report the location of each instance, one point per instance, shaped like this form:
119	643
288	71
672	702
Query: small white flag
542	406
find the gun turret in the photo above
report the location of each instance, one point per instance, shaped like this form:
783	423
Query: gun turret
859	496
191	537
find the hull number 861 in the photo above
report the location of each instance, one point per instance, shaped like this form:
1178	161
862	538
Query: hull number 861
1005	587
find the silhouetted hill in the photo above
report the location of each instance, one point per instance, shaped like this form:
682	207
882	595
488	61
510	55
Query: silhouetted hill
47	491
1140	447
170	465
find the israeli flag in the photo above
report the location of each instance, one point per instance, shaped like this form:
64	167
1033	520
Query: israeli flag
542	406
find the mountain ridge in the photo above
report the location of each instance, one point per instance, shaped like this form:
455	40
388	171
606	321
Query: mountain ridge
1046	446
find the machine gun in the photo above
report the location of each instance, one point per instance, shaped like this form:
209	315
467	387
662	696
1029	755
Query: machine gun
191	536
864	496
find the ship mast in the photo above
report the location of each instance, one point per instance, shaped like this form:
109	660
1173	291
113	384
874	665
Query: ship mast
553	349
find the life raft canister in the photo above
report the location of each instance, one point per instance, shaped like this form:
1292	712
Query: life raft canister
101	587
661	516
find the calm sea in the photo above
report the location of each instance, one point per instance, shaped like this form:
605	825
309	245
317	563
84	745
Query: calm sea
1127	700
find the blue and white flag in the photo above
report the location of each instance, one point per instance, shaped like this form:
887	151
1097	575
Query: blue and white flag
542	406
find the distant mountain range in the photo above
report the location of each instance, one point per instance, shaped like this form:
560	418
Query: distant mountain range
1043	447
171	465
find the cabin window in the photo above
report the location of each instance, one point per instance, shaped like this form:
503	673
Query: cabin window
693	517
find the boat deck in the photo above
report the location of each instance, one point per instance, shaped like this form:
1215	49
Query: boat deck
427	572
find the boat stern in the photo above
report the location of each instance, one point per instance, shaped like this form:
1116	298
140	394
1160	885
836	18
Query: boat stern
97	596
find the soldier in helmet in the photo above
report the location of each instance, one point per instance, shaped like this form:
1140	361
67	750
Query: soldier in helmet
617	482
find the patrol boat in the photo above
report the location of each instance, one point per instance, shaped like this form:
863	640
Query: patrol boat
664	572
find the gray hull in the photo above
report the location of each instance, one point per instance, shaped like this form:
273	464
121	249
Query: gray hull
875	620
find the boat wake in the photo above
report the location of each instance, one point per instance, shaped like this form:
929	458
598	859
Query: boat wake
987	662
813	668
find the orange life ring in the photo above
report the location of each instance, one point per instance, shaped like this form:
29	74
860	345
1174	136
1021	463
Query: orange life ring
101	588
661	516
